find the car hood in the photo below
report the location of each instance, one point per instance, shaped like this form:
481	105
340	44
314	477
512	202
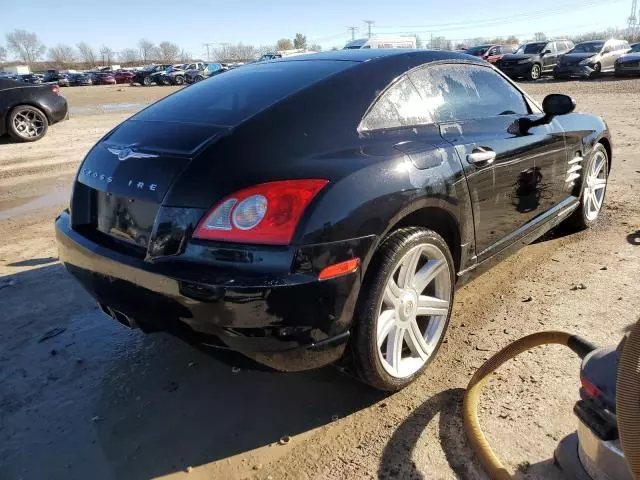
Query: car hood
578	56
517	56
630	57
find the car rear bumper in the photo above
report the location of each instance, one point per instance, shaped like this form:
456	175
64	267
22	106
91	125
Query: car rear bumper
292	322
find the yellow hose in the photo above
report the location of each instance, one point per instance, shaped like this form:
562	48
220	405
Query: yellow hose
628	396
488	459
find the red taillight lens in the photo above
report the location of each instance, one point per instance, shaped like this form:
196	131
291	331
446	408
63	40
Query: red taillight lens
589	388
55	89
267	213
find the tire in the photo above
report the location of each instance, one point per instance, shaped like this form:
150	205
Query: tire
146	81
585	216
407	246
198	78
27	123
178	80
535	73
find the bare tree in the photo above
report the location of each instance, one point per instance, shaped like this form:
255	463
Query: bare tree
234	53
316	47
539	37
184	56
25	45
300	41
3	54
62	54
129	55
169	52
147	50
106	54
87	54
284	44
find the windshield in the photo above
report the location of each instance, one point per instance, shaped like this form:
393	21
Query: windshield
530	48
235	96
477	51
587	47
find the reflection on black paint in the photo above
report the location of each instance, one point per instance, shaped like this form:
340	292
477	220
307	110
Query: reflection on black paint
529	190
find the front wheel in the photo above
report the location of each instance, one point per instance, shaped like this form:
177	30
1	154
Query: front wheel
594	187
146	81
404	308
179	80
535	72
27	123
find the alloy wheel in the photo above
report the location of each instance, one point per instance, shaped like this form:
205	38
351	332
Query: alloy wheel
535	72
29	123
595	186
414	310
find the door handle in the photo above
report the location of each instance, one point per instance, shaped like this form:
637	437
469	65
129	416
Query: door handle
481	156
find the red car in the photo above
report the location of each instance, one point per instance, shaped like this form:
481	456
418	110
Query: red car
104	79
491	53
123	77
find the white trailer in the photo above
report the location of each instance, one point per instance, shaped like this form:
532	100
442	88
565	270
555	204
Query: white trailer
382	42
18	69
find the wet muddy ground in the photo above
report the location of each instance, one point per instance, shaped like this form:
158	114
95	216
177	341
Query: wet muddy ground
83	397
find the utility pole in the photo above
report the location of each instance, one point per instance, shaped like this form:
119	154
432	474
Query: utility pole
353	31
208	45
369	23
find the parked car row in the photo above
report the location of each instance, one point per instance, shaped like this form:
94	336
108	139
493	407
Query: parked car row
562	59
178	74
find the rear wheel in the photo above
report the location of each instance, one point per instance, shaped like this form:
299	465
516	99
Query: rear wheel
179	80
404	308
535	72
595	176
198	78
146	81
27	123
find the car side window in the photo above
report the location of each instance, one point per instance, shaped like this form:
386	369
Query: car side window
551	46
399	106
455	92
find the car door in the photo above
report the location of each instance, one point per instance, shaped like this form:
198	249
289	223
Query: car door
549	59
512	177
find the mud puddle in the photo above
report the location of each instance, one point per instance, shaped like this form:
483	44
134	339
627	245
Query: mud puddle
56	197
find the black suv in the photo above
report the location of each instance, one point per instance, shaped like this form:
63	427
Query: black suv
533	59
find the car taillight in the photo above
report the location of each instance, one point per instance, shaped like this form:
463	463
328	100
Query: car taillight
267	213
55	89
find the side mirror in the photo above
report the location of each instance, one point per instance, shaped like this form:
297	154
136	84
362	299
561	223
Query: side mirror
558	104
546	52
552	105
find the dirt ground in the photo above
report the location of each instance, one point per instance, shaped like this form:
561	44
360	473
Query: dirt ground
83	397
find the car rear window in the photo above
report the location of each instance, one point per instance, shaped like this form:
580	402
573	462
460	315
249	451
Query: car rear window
232	97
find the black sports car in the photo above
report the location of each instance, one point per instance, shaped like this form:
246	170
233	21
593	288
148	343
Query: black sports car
26	111
296	208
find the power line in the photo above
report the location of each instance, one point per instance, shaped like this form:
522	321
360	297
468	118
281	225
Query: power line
525	15
353	31
208	53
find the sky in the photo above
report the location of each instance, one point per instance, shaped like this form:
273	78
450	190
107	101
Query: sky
119	24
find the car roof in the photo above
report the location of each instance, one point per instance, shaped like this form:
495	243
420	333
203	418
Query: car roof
373	54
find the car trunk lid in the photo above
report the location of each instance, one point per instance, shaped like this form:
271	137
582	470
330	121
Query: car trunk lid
123	180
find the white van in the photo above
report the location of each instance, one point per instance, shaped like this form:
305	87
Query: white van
382	42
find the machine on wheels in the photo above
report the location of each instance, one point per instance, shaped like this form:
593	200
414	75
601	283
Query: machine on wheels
606	445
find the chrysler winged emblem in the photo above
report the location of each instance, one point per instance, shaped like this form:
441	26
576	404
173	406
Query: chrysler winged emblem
125	153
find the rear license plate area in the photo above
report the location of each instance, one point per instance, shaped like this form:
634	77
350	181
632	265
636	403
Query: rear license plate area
129	220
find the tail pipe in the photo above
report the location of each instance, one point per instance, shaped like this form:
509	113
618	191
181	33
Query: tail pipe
628	395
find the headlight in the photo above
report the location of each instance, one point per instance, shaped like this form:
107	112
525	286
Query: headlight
586	61
524	60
